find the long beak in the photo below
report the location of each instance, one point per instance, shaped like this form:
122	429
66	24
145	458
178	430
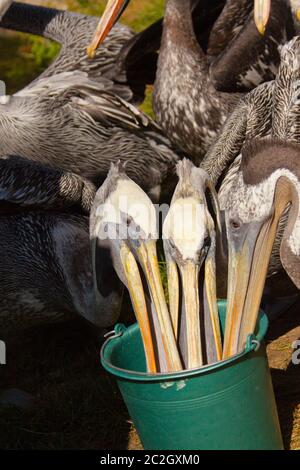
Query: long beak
262	10
187	322
190	276
248	266
173	289
147	256
211	296
135	287
109	18
239	267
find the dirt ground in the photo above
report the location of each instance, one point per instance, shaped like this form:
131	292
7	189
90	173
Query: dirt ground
77	405
286	375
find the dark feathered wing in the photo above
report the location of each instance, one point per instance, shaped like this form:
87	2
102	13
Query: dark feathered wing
249	58
27	184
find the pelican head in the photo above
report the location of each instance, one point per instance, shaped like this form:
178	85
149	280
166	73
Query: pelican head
266	186
123	222
111	15
189	243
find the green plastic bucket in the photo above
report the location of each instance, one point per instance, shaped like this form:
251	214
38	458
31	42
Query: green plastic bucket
226	405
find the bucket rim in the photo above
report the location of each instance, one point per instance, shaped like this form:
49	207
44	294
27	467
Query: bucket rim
253	344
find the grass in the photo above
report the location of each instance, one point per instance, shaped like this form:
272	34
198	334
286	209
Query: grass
30	56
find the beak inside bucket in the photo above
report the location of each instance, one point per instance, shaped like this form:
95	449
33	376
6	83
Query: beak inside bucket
124	356
223	406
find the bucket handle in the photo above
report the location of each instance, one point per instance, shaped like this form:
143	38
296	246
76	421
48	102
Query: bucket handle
118	331
252	343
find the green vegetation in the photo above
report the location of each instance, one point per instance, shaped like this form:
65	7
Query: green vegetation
138	15
23	57
43	51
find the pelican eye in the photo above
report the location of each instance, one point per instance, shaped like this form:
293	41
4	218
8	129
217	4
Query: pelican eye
234	224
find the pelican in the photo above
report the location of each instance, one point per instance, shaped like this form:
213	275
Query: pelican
148	41
70	122
123	224
73	31
189	244
186	102
271	111
46	267
267	183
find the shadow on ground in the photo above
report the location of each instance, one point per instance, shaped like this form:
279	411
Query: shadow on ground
77	405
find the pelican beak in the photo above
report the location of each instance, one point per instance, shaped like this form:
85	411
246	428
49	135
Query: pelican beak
249	254
189	272
261	14
147	256
191	317
212	306
246	278
112	13
136	291
173	289
298	14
